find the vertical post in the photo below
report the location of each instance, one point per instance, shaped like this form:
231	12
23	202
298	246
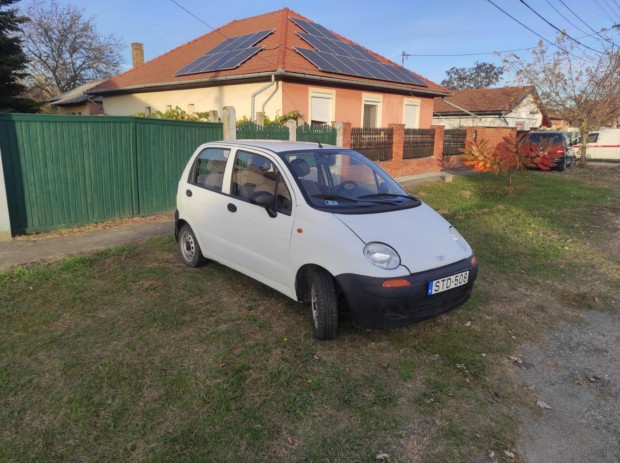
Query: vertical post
440	131
260	118
229	118
213	116
292	129
398	143
346	134
5	221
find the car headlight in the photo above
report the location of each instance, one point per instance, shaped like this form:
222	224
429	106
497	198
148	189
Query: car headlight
382	255
456	236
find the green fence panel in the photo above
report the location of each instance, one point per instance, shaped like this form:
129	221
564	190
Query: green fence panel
163	149
323	134
253	131
63	171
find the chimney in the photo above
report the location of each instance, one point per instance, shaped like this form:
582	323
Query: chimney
137	54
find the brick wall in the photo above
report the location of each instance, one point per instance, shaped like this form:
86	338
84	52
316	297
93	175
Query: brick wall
399	167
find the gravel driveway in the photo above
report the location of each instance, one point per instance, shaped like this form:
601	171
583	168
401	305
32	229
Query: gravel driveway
577	374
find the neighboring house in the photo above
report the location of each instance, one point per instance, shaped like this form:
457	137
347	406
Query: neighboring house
491	107
276	63
78	102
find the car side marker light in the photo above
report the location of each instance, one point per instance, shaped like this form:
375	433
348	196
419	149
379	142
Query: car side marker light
474	261
396	283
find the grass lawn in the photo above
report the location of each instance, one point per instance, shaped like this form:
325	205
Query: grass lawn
127	355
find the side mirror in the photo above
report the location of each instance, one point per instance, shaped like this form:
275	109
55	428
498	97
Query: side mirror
266	200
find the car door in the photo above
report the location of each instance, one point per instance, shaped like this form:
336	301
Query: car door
258	240
205	202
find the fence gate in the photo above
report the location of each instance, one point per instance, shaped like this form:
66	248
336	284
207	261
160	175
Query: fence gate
453	141
419	143
375	144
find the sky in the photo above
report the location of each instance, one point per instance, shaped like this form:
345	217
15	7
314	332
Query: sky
427	30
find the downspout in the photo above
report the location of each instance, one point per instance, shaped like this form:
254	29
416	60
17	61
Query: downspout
275	90
257	92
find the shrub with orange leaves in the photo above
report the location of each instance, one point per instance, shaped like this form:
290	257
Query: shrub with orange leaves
512	154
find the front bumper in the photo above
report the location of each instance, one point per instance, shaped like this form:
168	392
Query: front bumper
374	306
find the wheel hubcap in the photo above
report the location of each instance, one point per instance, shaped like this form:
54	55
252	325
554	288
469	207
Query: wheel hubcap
188	247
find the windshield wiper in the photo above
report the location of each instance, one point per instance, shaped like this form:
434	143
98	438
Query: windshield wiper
335	197
387	195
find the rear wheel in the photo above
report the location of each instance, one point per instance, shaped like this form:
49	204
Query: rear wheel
562	164
324	305
189	249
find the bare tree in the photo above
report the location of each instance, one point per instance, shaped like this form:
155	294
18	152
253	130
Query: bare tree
65	49
582	86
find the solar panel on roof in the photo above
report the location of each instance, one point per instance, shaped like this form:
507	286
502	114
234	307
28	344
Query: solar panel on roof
229	54
331	54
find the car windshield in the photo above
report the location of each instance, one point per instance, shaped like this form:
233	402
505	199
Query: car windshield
345	181
545	138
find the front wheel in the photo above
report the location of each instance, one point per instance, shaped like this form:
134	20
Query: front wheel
189	249
324	304
562	164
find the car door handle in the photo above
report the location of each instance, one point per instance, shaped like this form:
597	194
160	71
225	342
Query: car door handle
232	207
188	193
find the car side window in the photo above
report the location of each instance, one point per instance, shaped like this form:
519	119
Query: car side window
253	175
592	138
208	171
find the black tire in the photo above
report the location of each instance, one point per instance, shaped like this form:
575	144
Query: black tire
324	305
189	249
562	164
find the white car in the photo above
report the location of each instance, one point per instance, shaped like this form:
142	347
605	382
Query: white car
322	224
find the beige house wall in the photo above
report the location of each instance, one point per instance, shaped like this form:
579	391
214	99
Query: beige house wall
526	113
202	99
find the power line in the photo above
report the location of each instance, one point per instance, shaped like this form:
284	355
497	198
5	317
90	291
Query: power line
586	24
567	20
611	8
604	10
557	29
534	32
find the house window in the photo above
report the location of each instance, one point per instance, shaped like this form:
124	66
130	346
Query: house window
371	112
321	105
411	116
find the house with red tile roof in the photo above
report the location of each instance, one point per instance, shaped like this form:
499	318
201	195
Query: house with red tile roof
276	63
516	107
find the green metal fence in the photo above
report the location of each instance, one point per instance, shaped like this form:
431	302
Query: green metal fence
323	134
249	130
64	171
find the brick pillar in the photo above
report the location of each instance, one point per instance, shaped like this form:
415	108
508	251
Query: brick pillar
346	134
470	137
398	143
440	131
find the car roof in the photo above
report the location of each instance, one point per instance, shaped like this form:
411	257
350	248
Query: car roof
277	146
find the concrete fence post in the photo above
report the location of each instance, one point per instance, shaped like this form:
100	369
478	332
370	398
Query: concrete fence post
229	119
339	132
292	129
260	118
5	221
213	116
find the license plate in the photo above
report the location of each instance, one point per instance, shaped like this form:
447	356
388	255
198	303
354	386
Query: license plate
444	284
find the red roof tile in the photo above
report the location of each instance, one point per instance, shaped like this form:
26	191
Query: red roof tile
278	55
483	100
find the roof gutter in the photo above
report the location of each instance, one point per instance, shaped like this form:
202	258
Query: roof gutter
278	73
258	92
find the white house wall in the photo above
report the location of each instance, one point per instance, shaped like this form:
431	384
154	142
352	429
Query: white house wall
526	112
202	99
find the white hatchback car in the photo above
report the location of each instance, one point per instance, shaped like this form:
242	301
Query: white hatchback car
317	223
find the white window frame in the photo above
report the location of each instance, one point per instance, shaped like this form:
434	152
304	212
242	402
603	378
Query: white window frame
325	94
375	100
411	102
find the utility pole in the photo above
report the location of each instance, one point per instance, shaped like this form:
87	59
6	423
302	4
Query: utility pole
405	55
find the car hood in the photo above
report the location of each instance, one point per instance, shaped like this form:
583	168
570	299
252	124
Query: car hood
420	235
